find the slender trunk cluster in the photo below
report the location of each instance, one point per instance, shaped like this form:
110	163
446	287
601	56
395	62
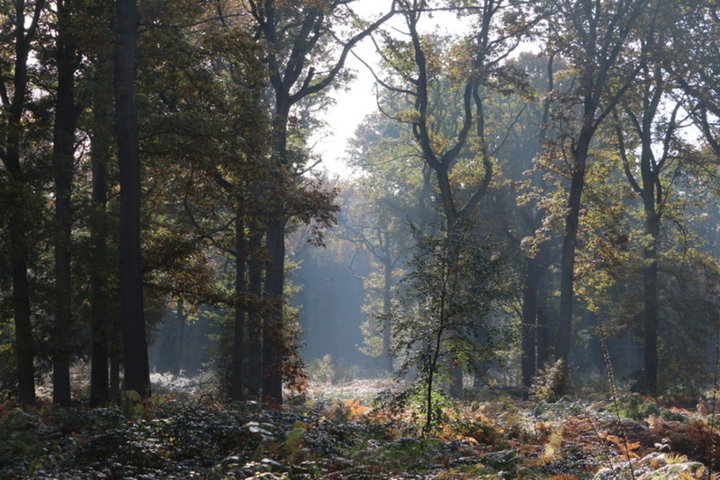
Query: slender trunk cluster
19	221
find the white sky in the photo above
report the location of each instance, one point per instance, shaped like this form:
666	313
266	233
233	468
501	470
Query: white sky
353	104
344	117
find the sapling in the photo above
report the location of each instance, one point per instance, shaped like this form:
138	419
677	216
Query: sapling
444	305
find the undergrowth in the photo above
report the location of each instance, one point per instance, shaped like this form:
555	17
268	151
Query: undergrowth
171	437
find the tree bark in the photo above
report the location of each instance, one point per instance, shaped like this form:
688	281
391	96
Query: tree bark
387	306
272	324
237	389
567	261
135	357
24	344
115	376
99	306
66	114
18	223
529	322
543	344
255	339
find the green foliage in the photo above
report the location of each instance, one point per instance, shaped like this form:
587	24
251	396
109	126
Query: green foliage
408	454
437	401
637	407
444	307
482	432
550	383
322	369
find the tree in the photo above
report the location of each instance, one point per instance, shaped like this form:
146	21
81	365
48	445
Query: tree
520	177
23	25
475	64
66	115
370	222
643	110
445	302
297	36
377	211
693	63
132	315
592	37
104	352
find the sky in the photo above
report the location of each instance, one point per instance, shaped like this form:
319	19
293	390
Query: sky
359	100
352	104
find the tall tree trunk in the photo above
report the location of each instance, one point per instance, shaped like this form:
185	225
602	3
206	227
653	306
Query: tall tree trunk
19	221
254	331
132	316
275	269
567	262
237	388
99	306
66	113
543	344
115	375
101	137
273	321
24	344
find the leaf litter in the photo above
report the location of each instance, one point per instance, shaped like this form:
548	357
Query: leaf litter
335	438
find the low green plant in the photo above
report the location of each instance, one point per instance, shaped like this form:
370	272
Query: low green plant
409	454
322	369
550	383
438	401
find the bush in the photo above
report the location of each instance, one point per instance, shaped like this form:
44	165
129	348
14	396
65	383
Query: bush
322	370
550	383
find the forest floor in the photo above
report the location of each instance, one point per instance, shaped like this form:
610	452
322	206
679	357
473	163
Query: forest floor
336	434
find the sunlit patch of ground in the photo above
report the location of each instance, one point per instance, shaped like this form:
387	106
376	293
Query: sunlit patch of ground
364	390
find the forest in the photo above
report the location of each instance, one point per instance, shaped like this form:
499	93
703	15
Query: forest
514	274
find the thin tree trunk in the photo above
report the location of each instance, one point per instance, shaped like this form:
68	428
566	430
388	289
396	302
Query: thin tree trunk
101	135
19	222
24	344
529	319
180	340
387	328
543	344
135	357
99	311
